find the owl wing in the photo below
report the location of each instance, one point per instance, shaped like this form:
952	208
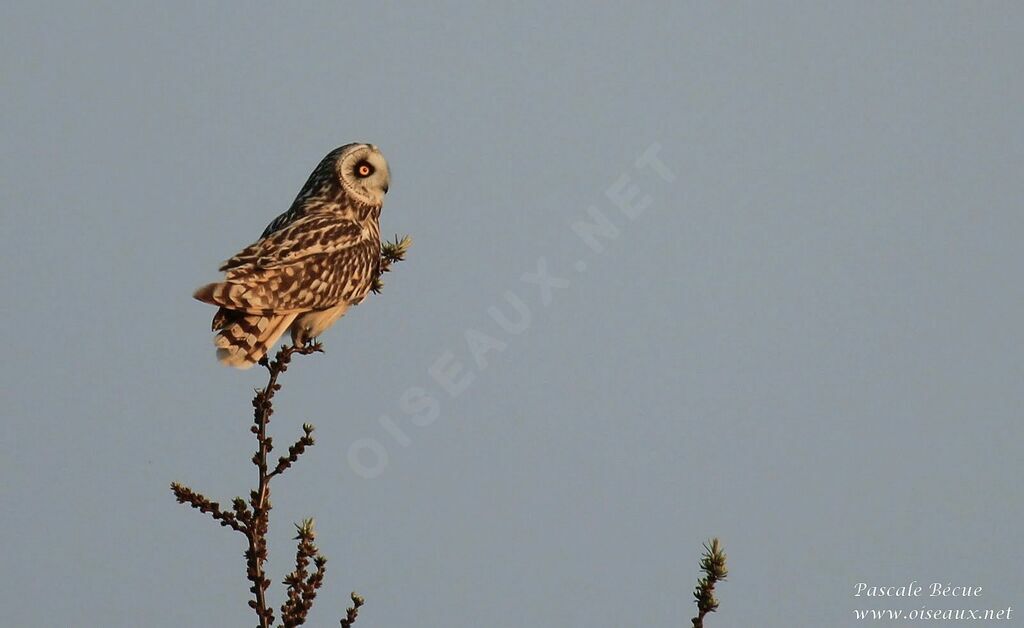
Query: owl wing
299	268
312	235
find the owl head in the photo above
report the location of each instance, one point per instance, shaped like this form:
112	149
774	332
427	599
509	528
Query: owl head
363	173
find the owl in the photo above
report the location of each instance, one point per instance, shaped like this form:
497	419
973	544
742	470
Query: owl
311	263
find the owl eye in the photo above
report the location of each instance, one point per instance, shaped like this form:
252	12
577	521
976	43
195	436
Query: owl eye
363	169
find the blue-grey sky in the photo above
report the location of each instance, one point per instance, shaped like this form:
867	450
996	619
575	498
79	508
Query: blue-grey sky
803	333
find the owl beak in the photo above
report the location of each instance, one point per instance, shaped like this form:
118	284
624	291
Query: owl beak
385	188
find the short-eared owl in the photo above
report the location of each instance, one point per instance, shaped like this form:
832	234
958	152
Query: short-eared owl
311	263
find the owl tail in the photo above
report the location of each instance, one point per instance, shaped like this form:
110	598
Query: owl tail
242	339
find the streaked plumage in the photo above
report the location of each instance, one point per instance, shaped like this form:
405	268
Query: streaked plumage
311	263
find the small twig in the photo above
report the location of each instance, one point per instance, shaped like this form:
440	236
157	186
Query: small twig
296	450
302	585
353	611
186	495
390	253
712	563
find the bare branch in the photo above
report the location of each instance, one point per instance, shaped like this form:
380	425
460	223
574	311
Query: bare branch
252	517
